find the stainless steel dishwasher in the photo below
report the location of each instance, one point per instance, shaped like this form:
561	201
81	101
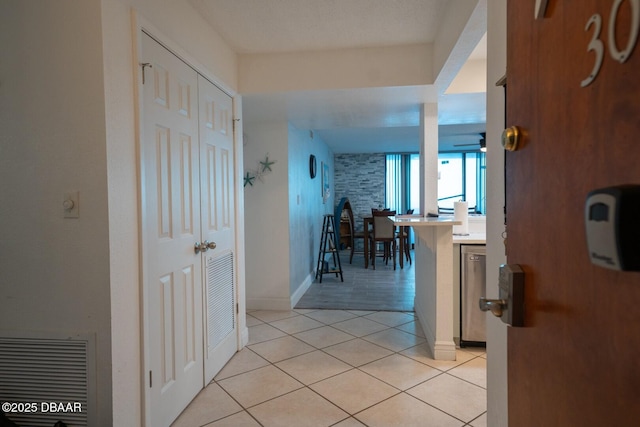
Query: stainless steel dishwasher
472	286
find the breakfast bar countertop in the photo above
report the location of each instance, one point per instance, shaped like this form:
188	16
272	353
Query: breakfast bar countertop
470	239
420	221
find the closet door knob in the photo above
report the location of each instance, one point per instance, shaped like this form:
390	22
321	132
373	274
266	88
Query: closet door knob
200	247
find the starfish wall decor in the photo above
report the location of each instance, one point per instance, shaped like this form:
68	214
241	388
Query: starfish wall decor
266	164
248	179
263	168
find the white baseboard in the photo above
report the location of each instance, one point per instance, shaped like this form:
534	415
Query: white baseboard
304	287
244	337
444	350
280	304
441	350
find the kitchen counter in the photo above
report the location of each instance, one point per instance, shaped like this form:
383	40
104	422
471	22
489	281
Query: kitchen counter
420	221
470	239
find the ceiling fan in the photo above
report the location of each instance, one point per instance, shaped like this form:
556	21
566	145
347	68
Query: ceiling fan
482	143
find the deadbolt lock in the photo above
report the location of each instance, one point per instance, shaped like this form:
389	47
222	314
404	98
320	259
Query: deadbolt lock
512	138
510	306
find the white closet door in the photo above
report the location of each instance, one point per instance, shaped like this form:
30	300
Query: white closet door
171	221
218	224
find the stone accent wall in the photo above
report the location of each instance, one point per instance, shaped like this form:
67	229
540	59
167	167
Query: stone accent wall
360	177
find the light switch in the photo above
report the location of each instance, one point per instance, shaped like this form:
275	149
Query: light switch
71	204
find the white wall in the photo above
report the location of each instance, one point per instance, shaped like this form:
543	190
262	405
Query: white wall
472	78
462	27
180	23
67	123
306	209
336	69
496	330
282	234
123	213
55	272
266	217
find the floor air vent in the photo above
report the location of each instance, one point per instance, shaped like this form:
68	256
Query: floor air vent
47	380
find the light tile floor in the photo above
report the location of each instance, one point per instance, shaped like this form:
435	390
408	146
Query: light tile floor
341	368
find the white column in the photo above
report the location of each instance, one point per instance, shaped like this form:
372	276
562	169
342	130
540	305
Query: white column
433	303
429	158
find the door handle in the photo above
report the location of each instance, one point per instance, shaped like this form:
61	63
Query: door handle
510	305
204	246
496	306
200	247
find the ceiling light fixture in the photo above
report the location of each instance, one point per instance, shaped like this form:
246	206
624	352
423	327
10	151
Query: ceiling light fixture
483	143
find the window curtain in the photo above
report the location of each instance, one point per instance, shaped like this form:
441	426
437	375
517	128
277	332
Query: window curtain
481	184
395	183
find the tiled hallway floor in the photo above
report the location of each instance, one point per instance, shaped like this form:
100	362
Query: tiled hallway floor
341	368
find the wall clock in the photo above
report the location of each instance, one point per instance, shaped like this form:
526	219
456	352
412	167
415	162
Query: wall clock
312	166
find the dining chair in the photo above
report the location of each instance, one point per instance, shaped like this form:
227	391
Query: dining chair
354	234
384	231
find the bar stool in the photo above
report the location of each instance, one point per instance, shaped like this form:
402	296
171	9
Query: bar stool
403	239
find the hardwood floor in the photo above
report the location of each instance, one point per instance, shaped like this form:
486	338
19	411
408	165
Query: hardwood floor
382	289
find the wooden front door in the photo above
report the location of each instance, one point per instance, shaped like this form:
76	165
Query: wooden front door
576	361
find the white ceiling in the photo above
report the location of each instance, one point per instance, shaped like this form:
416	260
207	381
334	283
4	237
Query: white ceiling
266	26
355	120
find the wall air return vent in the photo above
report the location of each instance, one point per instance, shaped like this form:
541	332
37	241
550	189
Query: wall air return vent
55	375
